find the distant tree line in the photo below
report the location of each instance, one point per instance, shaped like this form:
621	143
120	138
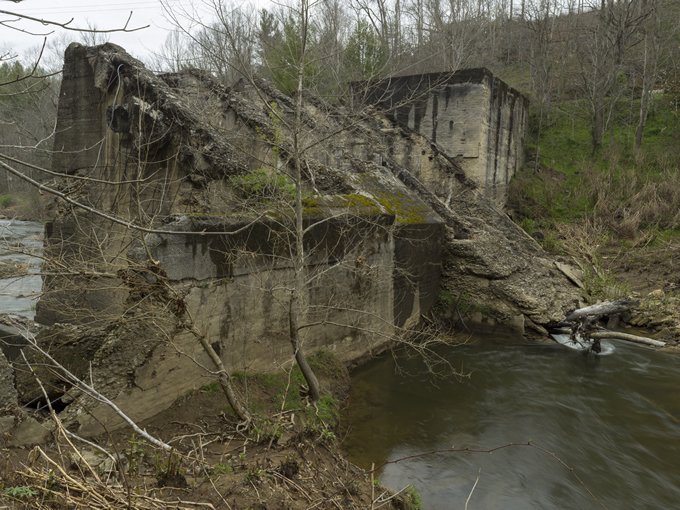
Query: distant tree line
609	54
603	52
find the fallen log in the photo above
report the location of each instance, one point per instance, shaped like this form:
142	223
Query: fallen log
584	321
625	336
606	308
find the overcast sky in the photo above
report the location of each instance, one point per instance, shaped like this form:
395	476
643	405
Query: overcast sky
106	14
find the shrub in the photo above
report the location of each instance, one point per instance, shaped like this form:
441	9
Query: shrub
23	491
601	284
413	499
7	200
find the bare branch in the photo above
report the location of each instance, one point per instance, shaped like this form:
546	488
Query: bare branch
66	25
117	220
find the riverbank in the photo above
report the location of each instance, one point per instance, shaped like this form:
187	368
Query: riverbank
651	273
290	459
26	206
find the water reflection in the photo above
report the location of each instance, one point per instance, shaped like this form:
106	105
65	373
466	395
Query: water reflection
615	419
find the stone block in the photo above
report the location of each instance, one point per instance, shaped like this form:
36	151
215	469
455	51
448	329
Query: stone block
29	432
6	424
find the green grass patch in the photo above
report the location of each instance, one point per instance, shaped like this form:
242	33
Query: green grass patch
20	492
326	363
601	284
413	499
623	189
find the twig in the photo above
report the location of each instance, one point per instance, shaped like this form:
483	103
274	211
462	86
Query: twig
127	224
372	485
473	488
386	501
489	450
59	425
296	486
66	26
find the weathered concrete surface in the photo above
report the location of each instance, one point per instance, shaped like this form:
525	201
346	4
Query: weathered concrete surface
74	347
495	267
469	115
504	283
387	207
12	341
239	301
6	424
29	432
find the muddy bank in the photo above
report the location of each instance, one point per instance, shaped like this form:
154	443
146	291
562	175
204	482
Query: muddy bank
650	273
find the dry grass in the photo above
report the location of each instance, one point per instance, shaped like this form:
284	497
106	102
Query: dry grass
631	196
582	240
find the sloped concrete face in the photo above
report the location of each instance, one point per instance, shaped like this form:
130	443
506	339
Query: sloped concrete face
469	115
29	432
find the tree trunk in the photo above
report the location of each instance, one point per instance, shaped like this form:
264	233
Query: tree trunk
299	254
625	336
225	380
647	84
299	261
300	358
606	308
538	140
598	120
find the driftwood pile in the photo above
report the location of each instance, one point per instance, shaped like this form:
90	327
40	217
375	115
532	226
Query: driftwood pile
586	332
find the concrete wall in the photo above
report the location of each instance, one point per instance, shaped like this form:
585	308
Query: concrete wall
166	148
469	115
363	282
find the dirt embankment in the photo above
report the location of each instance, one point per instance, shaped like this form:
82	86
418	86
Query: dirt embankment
652	274
289	460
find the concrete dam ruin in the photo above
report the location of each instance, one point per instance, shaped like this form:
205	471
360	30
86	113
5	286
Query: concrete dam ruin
470	115
174	221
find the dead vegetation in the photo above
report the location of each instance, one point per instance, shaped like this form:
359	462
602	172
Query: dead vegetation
619	217
289	459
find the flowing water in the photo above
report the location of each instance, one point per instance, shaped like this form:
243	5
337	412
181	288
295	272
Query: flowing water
18	239
614	418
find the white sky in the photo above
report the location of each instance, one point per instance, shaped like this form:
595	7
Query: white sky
106	14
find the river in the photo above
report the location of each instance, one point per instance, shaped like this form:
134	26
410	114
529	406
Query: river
614	419
18	239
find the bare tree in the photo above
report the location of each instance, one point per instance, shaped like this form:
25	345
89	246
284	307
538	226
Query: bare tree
657	33
174	55
606	37
542	60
